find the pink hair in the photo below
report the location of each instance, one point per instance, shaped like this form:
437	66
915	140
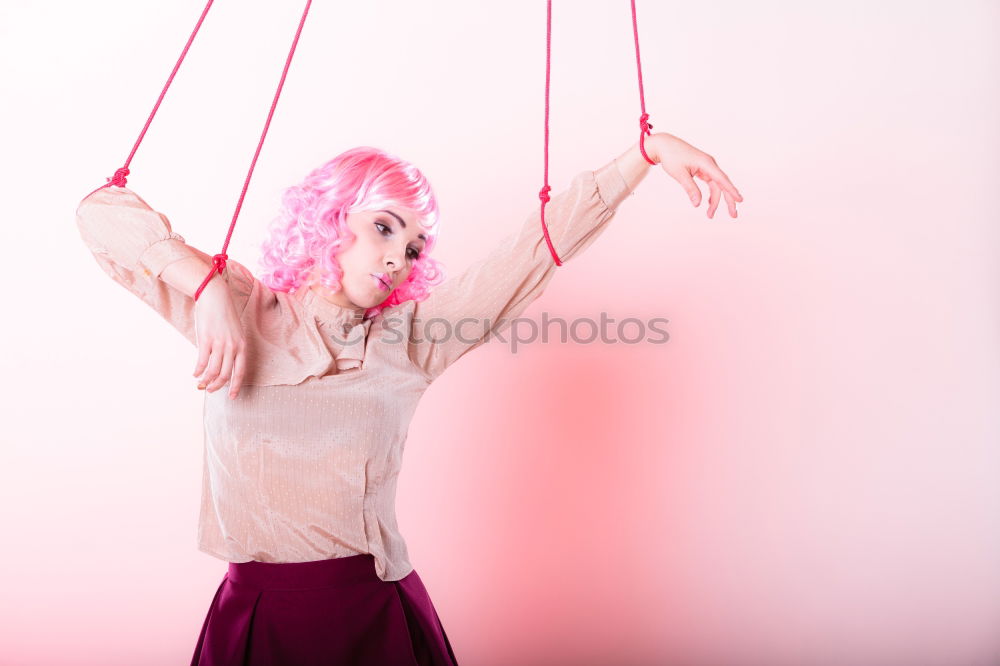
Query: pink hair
311	228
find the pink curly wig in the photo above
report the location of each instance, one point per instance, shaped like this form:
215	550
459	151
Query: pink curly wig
311	228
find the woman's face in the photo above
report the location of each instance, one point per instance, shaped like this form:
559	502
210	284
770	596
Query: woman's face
387	242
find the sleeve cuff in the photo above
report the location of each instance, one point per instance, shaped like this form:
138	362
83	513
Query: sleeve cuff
611	185
164	252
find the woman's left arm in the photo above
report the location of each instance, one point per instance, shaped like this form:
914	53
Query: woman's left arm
465	311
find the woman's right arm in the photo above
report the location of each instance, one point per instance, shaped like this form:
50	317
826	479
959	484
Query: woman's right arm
137	247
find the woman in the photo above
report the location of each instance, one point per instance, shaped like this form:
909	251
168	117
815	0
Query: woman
326	357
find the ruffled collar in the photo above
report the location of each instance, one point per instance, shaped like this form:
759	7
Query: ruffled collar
337	317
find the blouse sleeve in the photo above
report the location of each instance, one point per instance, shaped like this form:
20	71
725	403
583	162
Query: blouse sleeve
464	311
134	244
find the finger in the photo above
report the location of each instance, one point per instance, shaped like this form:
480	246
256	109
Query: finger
226	371
683	175
720	177
214	364
713	197
203	362
687	182
203	353
239	369
705	174
732	203
214	367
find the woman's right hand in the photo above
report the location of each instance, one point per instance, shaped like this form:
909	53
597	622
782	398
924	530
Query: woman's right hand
221	342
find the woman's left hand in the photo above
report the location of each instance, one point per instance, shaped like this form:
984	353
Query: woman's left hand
683	162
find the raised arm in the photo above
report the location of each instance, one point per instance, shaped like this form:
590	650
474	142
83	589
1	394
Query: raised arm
461	313
136	246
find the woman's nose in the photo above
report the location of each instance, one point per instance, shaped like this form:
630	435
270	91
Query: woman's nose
392	261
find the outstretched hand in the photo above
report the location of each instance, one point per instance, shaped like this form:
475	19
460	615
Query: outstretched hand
683	162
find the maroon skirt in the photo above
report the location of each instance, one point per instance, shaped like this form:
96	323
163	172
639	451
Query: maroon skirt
335	611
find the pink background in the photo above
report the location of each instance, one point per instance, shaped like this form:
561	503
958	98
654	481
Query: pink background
806	473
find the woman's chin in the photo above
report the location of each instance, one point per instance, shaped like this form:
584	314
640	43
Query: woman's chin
371	300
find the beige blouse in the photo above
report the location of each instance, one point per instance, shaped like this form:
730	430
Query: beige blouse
303	464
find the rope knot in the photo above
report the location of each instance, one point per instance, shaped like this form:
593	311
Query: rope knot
644	123
219	261
543	194
118	180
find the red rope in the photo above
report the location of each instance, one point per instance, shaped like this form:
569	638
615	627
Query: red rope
644	125
119	179
543	194
219	260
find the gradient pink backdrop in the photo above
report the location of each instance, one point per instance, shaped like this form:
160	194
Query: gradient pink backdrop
806	473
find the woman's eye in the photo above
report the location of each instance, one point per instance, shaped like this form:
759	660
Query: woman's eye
412	253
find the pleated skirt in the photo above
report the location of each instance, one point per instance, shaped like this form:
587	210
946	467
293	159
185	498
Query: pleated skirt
321	613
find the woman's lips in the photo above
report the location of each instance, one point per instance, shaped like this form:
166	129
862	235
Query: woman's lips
382	284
